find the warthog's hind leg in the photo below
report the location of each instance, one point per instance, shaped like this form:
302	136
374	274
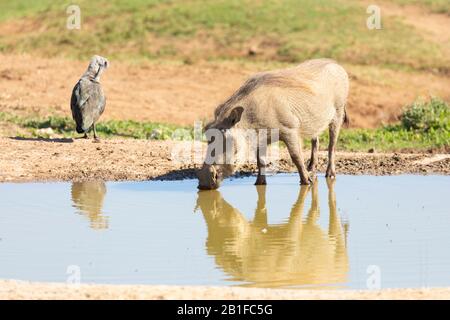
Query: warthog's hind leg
335	126
261	162
96	139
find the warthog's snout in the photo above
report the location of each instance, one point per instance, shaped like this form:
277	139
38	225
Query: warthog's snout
208	178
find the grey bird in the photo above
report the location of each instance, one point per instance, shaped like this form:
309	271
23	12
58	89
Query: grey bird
88	100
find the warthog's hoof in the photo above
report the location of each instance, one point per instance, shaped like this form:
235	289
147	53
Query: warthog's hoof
205	188
331	173
306	181
260	181
311	166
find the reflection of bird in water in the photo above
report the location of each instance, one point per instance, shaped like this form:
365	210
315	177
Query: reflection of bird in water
88	198
298	252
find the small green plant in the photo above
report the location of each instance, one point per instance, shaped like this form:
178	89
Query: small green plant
423	116
423	126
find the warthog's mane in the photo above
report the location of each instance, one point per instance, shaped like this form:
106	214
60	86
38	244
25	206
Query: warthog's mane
286	81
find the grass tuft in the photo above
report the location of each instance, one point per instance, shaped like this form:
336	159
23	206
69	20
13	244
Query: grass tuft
423	126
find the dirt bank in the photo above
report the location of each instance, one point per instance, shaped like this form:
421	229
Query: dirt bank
10	289
68	159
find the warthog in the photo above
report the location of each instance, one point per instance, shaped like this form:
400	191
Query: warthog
299	102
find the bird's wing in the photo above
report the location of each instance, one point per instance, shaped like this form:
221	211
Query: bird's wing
95	105
80	95
102	103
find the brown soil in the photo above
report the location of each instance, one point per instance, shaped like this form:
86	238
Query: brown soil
68	159
10	289
181	94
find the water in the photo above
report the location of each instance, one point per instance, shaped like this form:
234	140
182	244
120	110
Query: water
360	232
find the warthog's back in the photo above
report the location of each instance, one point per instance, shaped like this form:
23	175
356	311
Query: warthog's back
306	96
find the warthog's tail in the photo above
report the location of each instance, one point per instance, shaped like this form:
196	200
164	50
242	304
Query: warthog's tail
346	118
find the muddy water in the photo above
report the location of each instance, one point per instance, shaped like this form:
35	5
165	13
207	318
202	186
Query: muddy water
360	232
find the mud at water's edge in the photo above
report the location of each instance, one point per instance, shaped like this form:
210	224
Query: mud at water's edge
138	160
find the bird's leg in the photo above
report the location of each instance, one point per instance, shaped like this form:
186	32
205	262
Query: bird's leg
85	136
96	139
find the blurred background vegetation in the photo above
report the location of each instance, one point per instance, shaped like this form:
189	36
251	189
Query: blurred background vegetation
283	31
272	32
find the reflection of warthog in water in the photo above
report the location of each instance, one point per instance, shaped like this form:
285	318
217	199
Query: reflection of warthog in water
297	252
88	198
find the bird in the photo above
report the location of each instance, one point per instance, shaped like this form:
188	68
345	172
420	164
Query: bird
88	100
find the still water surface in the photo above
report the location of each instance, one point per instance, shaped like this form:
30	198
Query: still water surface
359	232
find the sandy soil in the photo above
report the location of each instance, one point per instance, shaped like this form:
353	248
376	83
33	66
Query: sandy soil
182	94
68	159
10	289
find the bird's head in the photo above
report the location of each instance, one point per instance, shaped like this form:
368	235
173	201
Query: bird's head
96	67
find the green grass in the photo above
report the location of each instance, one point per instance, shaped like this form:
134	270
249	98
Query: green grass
438	6
392	138
289	30
423	126
65	127
22	8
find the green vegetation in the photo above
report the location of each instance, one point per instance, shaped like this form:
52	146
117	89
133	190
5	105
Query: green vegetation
38	127
285	31
423	126
439	6
22	8
427	117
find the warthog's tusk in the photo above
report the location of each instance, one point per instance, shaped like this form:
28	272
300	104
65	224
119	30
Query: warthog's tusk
214	177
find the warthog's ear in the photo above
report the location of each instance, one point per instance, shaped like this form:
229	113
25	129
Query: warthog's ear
235	115
207	126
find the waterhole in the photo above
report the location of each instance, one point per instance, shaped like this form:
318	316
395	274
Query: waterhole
356	232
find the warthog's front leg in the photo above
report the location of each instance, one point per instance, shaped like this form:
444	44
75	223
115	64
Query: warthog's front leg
294	144
314	155
261	162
